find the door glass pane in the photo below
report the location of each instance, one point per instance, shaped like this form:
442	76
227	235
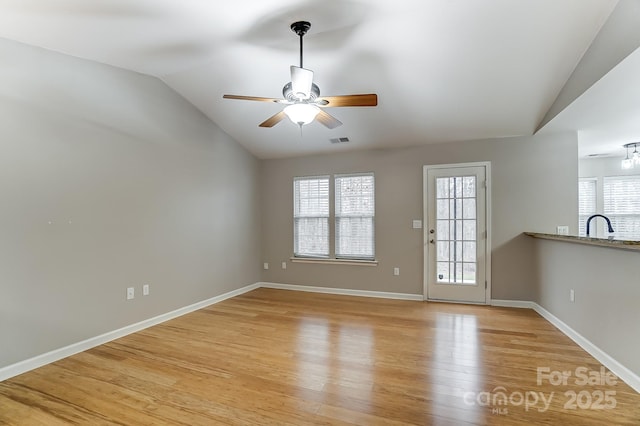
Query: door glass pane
456	237
469	251
469	273
457	187
469	232
443	251
443	229
457	256
443	209
443	272
469	187
458	229
442	190
469	208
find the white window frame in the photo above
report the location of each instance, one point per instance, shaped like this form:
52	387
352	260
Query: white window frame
321	216
300	257
341	253
584	215
626	211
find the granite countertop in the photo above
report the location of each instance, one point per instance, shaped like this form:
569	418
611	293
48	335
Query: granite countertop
602	242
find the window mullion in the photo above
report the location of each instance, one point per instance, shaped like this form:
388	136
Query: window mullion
332	220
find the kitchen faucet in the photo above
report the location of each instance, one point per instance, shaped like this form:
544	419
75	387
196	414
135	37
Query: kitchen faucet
605	218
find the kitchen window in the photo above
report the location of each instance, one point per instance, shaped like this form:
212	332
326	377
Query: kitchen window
622	205
587	191
618	198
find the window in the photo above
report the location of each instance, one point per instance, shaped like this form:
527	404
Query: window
311	216
353	218
586	202
355	197
622	205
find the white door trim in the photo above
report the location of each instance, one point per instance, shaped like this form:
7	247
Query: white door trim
425	220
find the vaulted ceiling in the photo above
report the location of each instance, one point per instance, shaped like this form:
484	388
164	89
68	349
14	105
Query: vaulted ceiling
444	70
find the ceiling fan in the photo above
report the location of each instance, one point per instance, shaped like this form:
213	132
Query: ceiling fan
302	95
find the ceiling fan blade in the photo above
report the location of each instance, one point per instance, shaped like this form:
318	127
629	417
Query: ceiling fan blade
253	98
348	100
301	81
273	120
328	120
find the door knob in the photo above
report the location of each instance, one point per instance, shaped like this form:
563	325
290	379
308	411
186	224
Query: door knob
431	231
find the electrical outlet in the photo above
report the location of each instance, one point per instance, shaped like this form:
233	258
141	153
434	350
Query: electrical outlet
572	295
265	265
396	271
145	290
417	224
562	230
284	265
131	293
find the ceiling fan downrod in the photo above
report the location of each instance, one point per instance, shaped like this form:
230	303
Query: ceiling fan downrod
300	28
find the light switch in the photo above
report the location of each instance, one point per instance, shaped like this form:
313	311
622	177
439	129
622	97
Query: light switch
417	224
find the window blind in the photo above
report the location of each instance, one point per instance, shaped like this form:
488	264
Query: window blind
622	205
311	216
354	216
586	202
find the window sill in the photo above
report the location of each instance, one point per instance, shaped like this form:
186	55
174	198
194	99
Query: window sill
334	261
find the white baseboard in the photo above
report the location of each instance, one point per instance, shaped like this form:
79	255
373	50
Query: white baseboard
614	366
57	354
522	304
626	375
343	291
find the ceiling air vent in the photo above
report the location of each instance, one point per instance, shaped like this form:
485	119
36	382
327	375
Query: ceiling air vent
339	140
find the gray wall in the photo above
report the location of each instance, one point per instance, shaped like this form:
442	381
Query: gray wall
605	166
108	179
607	290
534	189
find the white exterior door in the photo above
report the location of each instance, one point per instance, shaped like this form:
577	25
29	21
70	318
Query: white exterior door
456	233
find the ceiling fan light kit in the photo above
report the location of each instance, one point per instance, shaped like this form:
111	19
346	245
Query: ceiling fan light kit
301	114
302	96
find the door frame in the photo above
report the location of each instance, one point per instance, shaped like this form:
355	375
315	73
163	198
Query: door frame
425	221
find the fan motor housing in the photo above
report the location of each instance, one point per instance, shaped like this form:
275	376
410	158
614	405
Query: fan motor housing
288	94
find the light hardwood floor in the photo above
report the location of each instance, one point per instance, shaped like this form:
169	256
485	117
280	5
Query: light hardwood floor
283	357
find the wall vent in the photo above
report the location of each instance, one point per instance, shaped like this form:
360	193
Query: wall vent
339	140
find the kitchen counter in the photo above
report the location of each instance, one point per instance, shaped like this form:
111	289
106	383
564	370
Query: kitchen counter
602	242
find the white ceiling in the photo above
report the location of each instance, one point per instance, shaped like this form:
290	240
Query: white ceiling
444	70
607	115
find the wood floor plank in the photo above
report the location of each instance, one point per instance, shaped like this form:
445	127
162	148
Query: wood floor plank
295	358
